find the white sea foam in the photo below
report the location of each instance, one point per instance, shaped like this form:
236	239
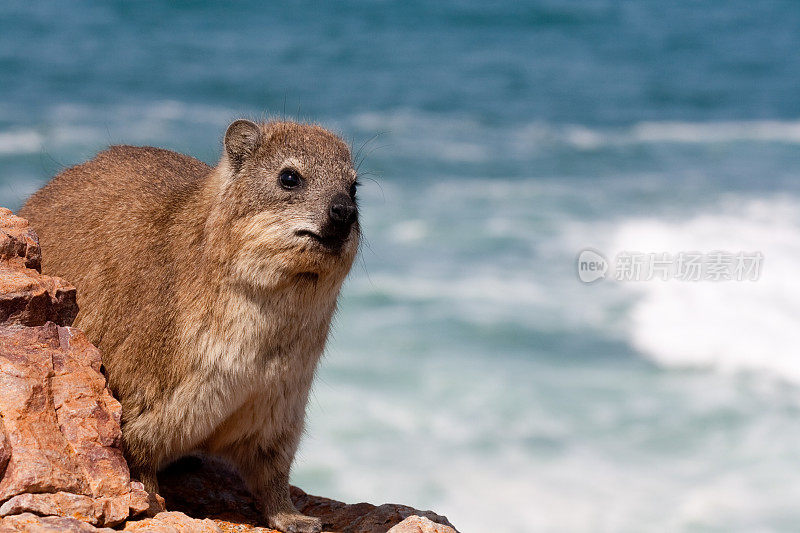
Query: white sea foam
716	132
409	230
20	142
772	131
80	125
162	110
654	132
730	326
480	297
463	139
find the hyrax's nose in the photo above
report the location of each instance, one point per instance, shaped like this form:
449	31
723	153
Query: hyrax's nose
342	210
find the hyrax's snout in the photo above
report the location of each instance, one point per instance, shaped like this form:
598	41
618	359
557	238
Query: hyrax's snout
342	211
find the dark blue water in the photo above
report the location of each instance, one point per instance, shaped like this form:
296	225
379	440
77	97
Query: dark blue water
470	371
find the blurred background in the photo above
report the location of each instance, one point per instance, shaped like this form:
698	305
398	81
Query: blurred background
469	370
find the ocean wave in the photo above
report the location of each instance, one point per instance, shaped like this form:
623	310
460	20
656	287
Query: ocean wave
20	142
479	289
468	140
729	326
71	125
769	131
717	132
160	110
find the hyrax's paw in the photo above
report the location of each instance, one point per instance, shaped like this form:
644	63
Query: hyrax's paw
295	523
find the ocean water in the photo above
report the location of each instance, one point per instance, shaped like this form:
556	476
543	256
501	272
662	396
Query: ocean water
469	370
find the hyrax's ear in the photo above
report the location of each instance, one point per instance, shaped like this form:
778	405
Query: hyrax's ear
241	140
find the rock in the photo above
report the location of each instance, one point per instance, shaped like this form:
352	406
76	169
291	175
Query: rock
19	245
31	299
205	487
88	416
30	523
61	429
359	517
28	297
139	499
81	507
41	459
172	522
420	524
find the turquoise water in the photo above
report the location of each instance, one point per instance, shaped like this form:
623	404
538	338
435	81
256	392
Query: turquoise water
469	370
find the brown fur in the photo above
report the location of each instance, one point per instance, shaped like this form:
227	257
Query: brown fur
211	310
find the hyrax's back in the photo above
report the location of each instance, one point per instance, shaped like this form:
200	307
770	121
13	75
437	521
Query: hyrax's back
107	226
115	195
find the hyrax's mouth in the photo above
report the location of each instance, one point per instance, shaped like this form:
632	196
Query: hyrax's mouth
332	243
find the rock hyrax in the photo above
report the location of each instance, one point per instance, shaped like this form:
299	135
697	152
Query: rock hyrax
209	291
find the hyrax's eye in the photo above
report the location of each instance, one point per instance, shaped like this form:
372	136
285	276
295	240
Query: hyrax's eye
353	189
290	179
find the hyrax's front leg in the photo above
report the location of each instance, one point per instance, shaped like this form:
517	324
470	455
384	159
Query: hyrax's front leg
265	468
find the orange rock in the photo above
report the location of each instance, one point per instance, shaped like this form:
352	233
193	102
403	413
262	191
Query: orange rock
420	524
27	296
138	499
61	428
30	523
79	507
88	416
41	459
31	299
171	522
19	245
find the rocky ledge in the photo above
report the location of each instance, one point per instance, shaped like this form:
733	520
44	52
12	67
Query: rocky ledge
61	462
